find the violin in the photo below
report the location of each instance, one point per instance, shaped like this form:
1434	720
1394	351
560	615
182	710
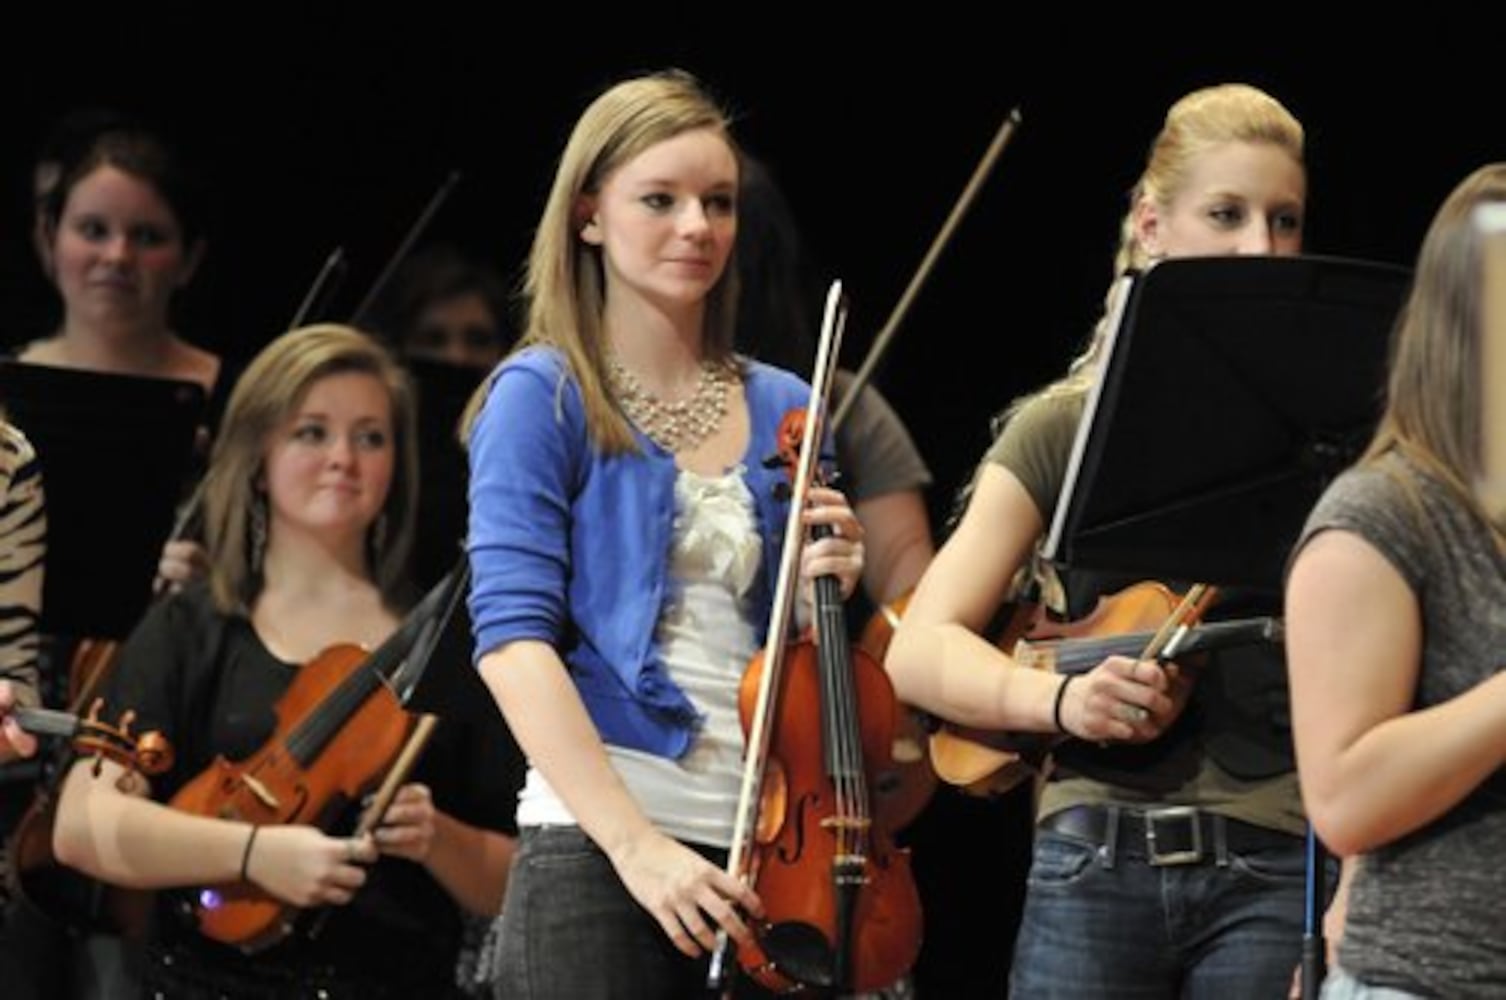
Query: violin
35	874
842	912
148	753
341	726
1146	620
338	729
905	789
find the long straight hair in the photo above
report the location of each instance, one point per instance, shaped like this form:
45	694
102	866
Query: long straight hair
565	287
1434	394
265	397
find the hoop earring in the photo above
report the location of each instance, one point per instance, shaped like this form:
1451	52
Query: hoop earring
258	530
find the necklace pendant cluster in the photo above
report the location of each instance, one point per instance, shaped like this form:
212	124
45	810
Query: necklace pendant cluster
679	425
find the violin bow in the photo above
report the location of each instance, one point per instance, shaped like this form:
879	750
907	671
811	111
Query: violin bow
371	817
414	231
964	202
428	620
401	768
336	265
325	283
1168	638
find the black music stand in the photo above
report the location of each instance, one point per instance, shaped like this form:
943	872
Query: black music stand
1234	389
115	451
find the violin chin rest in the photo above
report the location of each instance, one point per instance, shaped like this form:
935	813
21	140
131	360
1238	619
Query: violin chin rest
799	951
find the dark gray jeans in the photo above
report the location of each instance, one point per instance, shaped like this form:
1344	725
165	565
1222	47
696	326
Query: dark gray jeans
571	929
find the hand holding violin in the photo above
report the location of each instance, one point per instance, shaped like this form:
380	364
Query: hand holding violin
304	866
14	741
1123	700
689	896
839	554
182	562
408	828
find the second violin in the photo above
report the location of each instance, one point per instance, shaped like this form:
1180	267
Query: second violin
341	727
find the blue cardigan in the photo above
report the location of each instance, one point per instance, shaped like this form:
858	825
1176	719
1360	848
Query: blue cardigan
571	547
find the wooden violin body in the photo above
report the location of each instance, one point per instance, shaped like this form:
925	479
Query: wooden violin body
339	729
841	910
905	788
991	762
64	895
809	830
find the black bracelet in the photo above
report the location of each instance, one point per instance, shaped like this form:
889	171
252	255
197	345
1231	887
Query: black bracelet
246	854
1056	707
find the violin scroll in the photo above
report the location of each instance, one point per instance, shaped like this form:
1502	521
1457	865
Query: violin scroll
148	753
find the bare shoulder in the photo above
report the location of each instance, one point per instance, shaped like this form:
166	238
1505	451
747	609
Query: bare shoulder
42	351
194	364
975	569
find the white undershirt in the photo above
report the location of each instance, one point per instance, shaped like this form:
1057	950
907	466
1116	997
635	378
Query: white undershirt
706	640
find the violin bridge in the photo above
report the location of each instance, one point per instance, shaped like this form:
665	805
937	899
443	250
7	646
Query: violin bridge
261	791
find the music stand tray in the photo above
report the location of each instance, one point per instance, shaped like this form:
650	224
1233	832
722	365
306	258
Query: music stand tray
1232	391
115	451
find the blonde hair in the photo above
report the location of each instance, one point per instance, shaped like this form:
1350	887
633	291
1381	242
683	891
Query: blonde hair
564	289
265	397
1198	122
1433	393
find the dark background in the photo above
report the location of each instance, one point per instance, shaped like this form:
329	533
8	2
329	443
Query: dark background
333	127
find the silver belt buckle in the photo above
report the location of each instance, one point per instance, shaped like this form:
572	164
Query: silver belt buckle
1183	815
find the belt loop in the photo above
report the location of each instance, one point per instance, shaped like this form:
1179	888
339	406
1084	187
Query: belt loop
1220	840
1109	853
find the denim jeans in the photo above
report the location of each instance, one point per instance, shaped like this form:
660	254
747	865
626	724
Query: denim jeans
1340	985
570	928
1097	926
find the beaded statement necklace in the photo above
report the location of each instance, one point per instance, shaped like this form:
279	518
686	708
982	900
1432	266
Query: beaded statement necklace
683	424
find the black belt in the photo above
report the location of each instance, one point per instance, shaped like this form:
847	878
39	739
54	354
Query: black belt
1172	835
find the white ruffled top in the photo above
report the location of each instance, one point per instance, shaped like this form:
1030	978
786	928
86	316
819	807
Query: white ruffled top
706	640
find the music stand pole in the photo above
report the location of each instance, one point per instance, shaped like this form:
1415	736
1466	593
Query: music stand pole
1314	947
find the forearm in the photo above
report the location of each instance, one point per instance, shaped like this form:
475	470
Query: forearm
954	673
545	713
470	863
129	840
1409	770
1337	913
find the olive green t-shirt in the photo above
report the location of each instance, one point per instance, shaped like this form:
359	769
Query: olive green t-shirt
1035	445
